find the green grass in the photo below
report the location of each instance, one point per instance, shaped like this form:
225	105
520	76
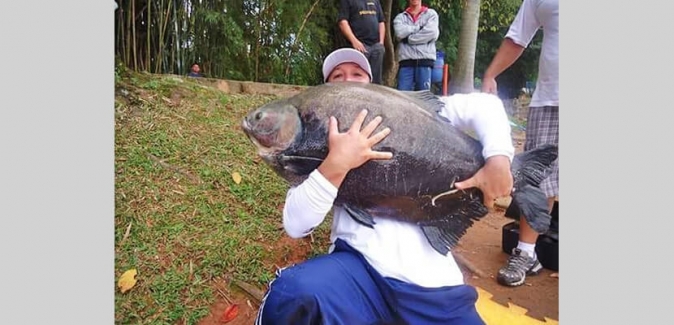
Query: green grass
176	146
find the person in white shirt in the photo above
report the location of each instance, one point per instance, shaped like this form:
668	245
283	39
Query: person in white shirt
542	121
388	274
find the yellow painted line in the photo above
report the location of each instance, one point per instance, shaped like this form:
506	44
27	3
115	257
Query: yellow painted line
494	313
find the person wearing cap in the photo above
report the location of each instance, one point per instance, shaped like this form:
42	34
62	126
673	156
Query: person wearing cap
388	274
362	23
346	65
416	29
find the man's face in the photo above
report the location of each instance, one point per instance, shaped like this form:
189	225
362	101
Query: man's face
195	68
349	72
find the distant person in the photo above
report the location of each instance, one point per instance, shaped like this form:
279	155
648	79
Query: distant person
362	23
195	71
416	29
542	121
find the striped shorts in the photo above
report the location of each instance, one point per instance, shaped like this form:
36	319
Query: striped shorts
543	128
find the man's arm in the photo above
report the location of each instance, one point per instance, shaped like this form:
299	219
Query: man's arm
382	23
506	55
522	30
428	33
307	205
382	32
343	17
485	114
348	33
402	30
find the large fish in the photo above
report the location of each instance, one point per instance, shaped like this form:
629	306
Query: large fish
429	155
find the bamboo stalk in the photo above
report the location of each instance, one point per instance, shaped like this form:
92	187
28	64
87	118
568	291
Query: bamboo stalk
175	54
127	40
133	34
148	33
162	35
299	32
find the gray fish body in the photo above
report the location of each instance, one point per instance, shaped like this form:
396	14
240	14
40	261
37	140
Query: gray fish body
429	154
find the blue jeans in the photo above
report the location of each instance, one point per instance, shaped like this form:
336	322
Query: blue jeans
341	288
414	78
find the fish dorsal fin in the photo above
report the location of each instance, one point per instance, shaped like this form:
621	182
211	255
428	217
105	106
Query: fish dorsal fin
427	100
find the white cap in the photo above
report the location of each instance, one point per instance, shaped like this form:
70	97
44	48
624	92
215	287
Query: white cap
344	55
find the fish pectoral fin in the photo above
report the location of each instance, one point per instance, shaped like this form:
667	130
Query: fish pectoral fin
360	216
300	165
440	238
443	232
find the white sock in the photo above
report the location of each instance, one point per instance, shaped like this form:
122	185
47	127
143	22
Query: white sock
526	247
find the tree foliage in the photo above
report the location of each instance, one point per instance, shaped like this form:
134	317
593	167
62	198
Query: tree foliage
278	41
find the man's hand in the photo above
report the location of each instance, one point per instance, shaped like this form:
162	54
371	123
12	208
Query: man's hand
493	179
351	149
489	86
358	45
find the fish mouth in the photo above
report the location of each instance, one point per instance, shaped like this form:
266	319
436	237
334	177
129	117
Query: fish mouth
262	150
246	126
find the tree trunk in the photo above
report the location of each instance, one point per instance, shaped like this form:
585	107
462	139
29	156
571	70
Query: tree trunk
464	67
390	68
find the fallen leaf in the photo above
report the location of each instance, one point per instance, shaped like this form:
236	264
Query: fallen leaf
127	280
230	313
236	177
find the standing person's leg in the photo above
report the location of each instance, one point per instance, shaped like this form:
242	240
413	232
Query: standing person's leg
330	289
422	78
542	128
405	78
375	55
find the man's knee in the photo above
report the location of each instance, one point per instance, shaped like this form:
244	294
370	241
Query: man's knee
289	300
292	282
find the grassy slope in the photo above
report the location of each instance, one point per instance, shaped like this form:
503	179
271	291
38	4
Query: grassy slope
177	144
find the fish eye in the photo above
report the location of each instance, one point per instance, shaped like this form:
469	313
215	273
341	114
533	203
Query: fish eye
258	116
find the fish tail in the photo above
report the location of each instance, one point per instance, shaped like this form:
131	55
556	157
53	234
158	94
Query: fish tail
529	169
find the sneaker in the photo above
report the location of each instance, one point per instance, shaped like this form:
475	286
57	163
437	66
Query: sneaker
520	264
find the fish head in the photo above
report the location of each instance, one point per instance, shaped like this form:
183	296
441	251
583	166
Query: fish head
272	128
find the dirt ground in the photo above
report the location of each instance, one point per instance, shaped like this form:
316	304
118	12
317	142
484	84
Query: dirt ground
481	246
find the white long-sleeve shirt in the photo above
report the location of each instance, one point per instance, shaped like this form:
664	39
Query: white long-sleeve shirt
397	249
